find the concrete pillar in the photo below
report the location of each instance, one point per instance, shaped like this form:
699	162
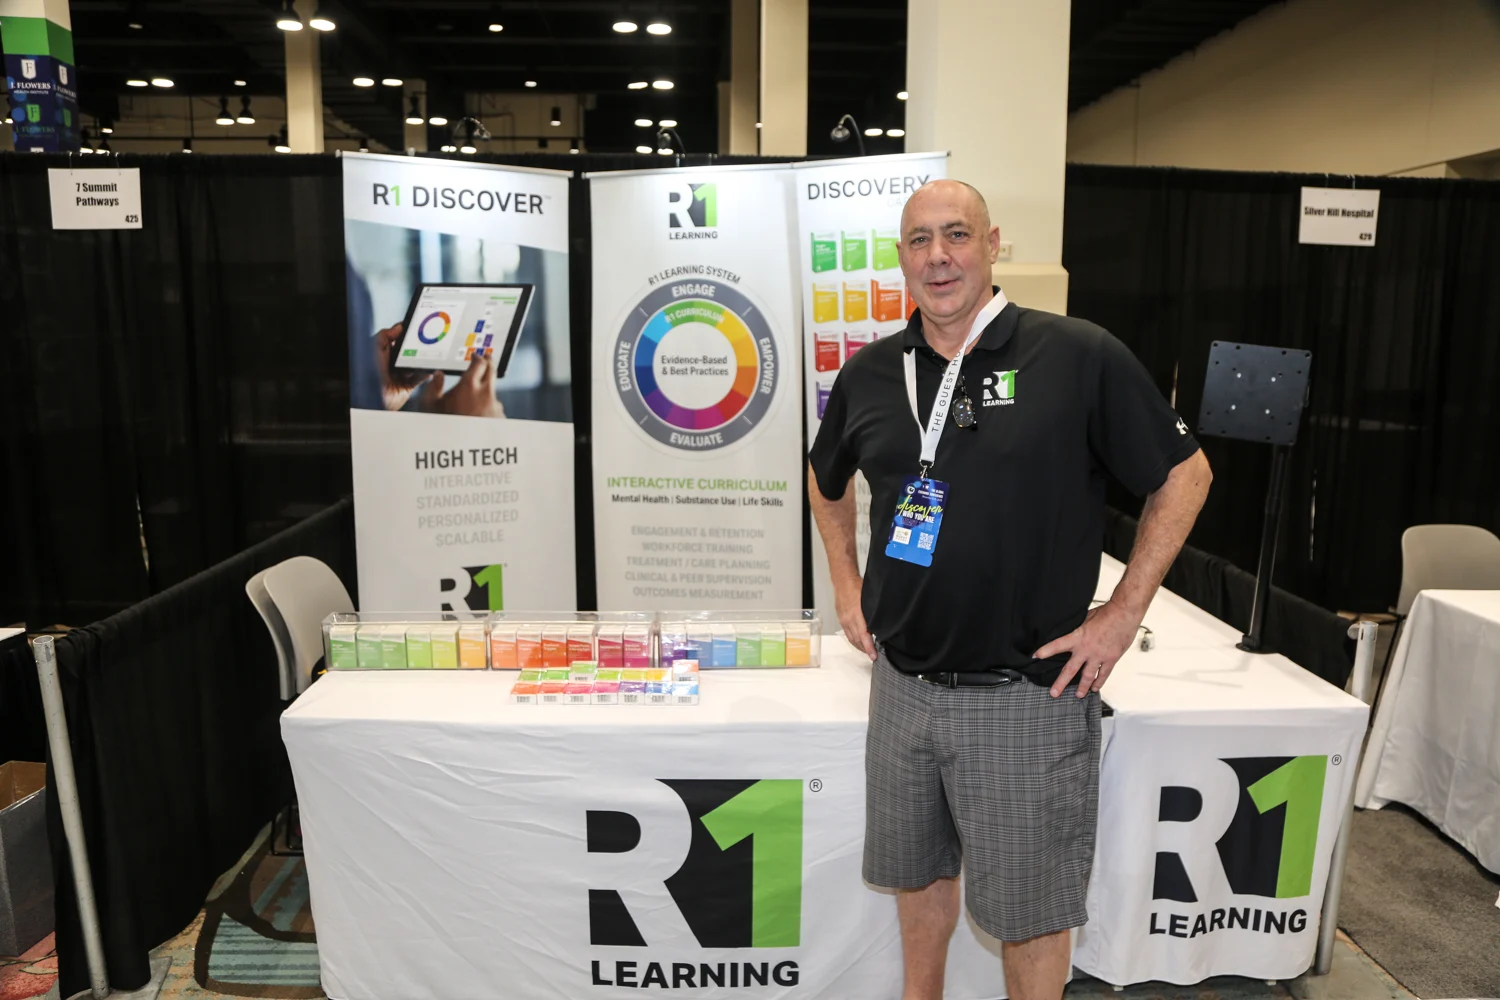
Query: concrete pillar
739	96
38	40
783	77
1004	119
414	136
304	84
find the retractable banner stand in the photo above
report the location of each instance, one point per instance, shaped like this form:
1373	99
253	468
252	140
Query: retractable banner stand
460	384
849	229
697	430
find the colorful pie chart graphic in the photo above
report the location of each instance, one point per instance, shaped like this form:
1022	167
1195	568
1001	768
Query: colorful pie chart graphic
696	365
437	321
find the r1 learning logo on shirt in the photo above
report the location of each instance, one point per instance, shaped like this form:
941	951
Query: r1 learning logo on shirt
999	388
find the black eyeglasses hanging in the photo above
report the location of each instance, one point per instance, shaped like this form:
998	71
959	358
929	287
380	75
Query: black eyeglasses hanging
964	414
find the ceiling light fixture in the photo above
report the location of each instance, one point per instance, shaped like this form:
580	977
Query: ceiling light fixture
137	83
161	81
497	27
187	145
901	95
625	27
556	118
573	146
245	117
414	114
448	149
288	19
240	83
757	124
106	125
643	149
438	120
661	84
363	81
643	122
279	142
531	83
225	118
658	28
136	26
841	132
665	151
637	85
467	148
668	123
391	81
872	132
895	133
364	144
321	23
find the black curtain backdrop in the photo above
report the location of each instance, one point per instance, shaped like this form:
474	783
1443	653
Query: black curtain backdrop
173	717
1403	426
181	391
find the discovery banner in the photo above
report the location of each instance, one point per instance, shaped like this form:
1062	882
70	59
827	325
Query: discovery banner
460	384
849	232
697	435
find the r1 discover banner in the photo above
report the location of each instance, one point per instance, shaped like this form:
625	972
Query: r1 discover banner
460	384
848	229
697	435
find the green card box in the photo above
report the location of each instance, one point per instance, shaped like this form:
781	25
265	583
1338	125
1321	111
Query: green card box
747	651
856	251
887	249
370	642
393	647
419	647
445	647
825	252
773	646
343	648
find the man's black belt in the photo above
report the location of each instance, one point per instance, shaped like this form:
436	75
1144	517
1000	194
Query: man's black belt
975	678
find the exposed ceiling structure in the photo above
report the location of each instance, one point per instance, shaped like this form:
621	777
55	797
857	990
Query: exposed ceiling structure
857	57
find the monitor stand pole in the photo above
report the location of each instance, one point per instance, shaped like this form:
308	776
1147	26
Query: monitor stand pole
1252	641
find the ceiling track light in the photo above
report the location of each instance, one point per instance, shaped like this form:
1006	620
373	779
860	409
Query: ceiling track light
625	27
841	133
163	82
556	118
135	82
497	27
667	123
901	95
320	23
637	85
895	133
643	149
658	28
225	118
391	81
530	83
643	122
107	126
662	85
279	141
873	132
437	120
289	19
363	81
573	146
245	117
187	145
414	113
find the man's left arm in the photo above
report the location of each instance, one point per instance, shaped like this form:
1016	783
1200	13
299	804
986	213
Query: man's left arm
1109	629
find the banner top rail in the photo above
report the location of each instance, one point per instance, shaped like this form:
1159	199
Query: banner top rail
716	167
403	158
882	158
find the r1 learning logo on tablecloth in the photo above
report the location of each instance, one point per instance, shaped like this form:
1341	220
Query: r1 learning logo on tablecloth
1267	849
732	872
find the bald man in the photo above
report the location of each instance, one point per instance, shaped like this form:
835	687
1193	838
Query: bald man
987	433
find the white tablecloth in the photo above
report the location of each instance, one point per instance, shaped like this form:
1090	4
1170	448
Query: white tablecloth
1436	741
459	846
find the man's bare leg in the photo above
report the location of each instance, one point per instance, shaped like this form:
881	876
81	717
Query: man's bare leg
1037	969
928	917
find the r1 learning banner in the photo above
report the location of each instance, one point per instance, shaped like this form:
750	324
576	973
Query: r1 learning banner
848	232
697	430
460	378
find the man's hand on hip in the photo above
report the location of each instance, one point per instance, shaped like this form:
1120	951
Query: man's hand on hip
1096	645
852	617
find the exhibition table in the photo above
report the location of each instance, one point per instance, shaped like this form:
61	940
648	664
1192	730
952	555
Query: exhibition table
1435	745
462	846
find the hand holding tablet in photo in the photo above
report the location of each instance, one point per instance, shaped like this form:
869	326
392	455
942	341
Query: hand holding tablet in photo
396	384
473	395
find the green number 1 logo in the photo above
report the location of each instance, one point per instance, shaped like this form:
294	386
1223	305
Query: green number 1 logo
770	813
709	195
1299	784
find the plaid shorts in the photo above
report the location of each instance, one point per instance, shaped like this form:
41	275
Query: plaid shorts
1001	783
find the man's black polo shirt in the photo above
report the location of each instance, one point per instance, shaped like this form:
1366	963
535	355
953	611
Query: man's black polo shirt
1061	404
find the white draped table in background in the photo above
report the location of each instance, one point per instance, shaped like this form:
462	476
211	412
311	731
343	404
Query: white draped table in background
1435	745
459	846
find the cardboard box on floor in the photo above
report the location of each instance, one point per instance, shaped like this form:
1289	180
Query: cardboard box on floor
25	861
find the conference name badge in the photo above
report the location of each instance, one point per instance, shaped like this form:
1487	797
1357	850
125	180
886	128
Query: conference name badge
919	517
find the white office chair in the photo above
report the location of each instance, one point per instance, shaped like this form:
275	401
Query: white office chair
1446	557
255	588
306	591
